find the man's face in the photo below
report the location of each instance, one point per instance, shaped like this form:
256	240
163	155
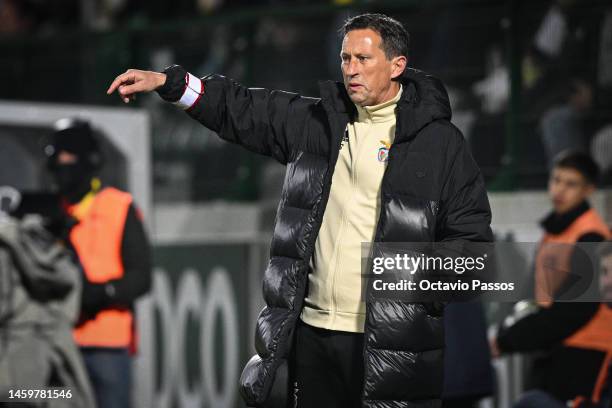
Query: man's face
568	188
69	173
366	71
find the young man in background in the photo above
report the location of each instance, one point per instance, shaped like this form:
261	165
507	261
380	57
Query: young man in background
577	336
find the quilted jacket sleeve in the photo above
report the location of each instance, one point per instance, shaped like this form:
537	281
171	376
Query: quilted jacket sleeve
464	209
263	121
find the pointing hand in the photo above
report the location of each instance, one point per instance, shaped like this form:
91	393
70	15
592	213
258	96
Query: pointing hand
134	81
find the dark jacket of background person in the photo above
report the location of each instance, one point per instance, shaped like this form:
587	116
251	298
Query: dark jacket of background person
432	190
39	303
565	371
468	373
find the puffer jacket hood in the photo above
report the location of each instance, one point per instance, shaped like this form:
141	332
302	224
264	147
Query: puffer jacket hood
428	100
424	95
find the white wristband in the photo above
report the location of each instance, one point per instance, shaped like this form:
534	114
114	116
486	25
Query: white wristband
193	91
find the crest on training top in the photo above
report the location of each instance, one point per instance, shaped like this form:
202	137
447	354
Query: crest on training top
383	151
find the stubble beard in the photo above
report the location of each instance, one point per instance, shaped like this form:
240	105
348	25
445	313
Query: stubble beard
357	98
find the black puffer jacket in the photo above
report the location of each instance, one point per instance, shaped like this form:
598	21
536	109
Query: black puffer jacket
431	191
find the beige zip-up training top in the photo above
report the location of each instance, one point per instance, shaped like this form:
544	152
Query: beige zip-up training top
335	299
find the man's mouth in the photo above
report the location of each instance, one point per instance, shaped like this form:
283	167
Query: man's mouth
354	86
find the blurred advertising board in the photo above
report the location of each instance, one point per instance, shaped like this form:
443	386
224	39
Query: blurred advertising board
194	328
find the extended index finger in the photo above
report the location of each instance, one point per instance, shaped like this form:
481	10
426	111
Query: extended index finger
132	88
125	77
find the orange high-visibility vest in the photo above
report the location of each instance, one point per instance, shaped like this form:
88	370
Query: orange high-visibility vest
97	240
596	335
555	251
552	267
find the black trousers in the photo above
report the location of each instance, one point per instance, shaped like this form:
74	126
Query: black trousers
327	369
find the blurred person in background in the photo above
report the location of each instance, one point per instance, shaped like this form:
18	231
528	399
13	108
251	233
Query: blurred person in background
601	143
40	290
562	127
109	239
557	53
605	285
384	119
575	337
567	78
605	279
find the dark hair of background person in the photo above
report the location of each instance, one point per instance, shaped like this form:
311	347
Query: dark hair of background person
395	38
579	161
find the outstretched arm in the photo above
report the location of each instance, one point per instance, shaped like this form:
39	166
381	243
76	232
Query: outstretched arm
263	121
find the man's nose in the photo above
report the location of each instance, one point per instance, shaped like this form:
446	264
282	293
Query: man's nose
351	68
559	191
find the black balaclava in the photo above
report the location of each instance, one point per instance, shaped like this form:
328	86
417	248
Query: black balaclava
74	136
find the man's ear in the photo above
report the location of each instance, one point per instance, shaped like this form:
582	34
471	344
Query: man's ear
398	65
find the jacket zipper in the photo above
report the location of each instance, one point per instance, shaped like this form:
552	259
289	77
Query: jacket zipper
335	152
338	263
